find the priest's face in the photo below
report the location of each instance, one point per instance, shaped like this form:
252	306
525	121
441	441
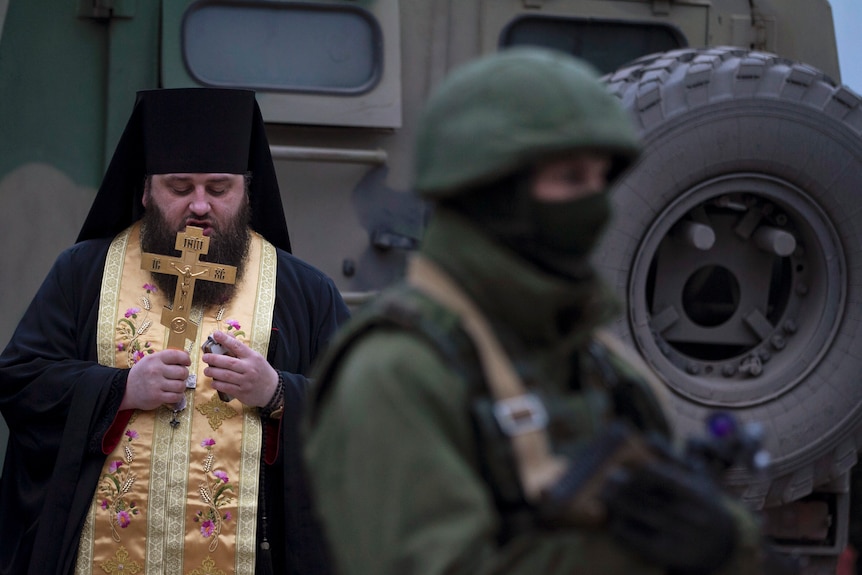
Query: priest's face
218	203
208	201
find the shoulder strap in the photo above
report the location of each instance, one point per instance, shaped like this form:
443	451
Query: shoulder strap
404	307
521	414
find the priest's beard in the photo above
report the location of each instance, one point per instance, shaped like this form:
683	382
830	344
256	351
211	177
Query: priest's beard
228	245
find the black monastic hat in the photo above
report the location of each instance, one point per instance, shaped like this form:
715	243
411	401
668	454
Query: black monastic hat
189	130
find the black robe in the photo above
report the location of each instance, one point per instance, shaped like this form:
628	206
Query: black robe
58	403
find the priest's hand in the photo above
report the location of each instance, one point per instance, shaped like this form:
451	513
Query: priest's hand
156	379
242	373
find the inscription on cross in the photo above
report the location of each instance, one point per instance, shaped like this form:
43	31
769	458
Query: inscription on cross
192	243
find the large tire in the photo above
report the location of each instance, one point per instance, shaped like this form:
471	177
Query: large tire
737	245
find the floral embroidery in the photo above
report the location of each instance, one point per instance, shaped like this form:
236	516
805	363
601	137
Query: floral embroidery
127	449
215	493
115	485
130	330
120	563
208	567
216	411
235	327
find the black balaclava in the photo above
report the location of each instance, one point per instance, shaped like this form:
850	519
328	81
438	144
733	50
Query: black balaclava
189	130
555	236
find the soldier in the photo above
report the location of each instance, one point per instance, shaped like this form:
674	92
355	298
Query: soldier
473	419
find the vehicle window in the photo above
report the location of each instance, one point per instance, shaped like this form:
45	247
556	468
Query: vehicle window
607	45
282	46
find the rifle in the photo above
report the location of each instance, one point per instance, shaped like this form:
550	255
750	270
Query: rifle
576	497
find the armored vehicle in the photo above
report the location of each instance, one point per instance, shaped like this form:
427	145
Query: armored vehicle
737	244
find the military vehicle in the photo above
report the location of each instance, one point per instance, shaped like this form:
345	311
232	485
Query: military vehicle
737	244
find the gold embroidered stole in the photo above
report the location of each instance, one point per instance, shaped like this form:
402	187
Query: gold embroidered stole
178	499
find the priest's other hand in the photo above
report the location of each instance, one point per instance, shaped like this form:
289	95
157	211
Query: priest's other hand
242	373
156	379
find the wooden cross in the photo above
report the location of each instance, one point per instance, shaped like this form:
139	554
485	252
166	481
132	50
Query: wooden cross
192	243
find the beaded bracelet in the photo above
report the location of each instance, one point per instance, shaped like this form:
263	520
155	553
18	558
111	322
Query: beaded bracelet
273	408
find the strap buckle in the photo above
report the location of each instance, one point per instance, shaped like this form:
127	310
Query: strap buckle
520	414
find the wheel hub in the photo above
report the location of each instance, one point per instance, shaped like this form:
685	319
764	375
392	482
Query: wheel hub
736	290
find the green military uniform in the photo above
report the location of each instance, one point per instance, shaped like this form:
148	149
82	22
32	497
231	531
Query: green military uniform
407	476
393	445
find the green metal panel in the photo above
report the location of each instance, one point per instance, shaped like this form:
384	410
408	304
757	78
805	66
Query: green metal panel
41	58
67	84
133	62
51	126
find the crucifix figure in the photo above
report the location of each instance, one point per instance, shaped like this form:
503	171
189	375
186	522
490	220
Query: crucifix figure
192	244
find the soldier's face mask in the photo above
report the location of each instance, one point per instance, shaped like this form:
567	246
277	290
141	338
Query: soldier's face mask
556	234
569	203
570	228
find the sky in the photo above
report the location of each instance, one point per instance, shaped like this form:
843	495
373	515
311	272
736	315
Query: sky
848	19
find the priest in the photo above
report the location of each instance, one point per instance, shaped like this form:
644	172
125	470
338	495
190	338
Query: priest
154	386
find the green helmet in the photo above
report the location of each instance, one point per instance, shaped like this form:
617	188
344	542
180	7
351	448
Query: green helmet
503	112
